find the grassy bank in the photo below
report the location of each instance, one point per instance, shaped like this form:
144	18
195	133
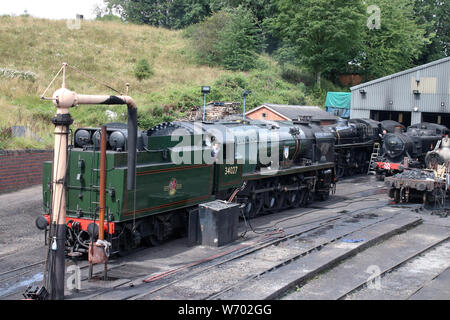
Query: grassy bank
32	50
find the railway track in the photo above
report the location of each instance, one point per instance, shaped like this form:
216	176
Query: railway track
171	277
394	267
13	281
23	275
225	266
302	254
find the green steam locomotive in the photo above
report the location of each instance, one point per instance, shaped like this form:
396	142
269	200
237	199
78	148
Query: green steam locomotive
263	165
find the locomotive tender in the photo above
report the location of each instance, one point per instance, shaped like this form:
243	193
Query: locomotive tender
266	166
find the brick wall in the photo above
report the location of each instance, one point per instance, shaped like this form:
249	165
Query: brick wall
264	114
21	168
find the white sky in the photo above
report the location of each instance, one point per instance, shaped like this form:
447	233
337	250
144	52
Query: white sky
51	9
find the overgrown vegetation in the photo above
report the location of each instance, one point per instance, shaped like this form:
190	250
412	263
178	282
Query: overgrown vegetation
327	37
229	38
109	51
284	51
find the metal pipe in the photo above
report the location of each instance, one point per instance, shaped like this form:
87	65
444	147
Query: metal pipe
243	113
102	200
56	263
64	98
204	107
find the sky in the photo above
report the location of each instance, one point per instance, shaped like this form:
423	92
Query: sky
51	9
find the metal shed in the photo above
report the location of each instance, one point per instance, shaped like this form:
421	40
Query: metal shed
420	94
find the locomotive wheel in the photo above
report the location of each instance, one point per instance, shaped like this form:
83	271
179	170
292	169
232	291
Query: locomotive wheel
396	195
253	206
273	201
340	172
308	198
301	194
324	195
293	199
435	197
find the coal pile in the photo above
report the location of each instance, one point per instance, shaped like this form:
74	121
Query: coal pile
415	174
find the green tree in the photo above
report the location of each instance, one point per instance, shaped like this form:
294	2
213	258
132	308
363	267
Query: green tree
229	38
262	10
173	14
205	36
323	35
239	40
435	16
395	44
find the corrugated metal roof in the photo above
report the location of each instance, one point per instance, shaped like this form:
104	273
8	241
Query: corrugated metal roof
398	74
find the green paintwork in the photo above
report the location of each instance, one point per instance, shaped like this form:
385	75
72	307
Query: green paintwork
154	191
162	184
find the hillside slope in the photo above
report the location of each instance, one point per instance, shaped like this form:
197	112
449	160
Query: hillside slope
32	50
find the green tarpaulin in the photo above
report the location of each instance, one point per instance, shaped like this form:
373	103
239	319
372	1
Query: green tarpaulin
339	100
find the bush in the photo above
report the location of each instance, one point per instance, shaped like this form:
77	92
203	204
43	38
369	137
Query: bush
143	70
295	75
11	74
239	41
229	38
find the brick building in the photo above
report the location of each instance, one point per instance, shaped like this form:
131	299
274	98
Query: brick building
281	112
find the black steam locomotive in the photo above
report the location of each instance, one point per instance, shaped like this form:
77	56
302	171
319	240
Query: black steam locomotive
354	143
407	149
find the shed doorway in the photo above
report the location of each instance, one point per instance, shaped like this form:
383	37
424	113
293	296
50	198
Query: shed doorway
402	117
439	118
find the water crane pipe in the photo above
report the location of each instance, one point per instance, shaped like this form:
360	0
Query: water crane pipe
65	99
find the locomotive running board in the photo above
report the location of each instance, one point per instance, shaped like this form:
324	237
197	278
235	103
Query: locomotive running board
291	170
